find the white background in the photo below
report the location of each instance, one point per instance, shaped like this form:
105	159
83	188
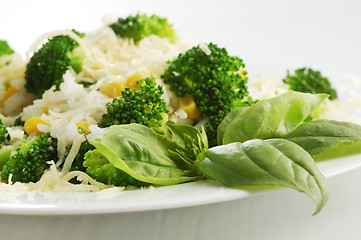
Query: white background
270	36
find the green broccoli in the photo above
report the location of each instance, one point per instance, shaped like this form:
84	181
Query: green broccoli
309	81
18	122
140	26
5	48
31	159
48	65
144	106
99	168
215	80
79	159
4	134
5	153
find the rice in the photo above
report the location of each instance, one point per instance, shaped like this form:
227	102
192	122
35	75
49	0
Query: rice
61	110
107	59
263	88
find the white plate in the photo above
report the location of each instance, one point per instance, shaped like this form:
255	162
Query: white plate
182	195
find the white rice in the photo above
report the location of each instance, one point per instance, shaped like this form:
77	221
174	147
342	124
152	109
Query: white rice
107	59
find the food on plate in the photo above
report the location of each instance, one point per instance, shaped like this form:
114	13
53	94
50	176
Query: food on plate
131	105
140	26
215	81
48	65
5	49
311	81
143	105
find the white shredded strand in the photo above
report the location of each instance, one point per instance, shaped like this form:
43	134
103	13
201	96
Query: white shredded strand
72	154
85	179
56	181
204	47
107	58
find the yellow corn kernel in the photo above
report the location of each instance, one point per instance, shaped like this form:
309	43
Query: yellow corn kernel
45	110
189	106
113	89
132	79
9	92
83	127
31	125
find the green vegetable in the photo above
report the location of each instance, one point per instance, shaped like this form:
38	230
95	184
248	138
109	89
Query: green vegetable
31	159
5	48
190	140
325	139
5	153
265	162
48	65
79	158
140	26
215	80
98	167
227	120
143	154
310	81
270	118
144	106
18	122
4	134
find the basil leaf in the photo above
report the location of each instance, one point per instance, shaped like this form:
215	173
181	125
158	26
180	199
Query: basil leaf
265	162
272	118
226	121
188	137
190	140
143	154
325	139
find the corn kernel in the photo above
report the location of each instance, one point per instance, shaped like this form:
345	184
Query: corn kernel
189	106
132	80
9	92
113	89
31	125
83	127
45	110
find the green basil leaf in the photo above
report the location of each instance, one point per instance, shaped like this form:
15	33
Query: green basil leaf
265	162
325	139
143	154
272	118
190	140
226	121
188	137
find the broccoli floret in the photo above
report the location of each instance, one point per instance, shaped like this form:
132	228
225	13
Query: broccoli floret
31	159
48	65
18	122
86	84
5	48
4	134
144	106
140	26
215	80
309	81
79	159
5	153
99	168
